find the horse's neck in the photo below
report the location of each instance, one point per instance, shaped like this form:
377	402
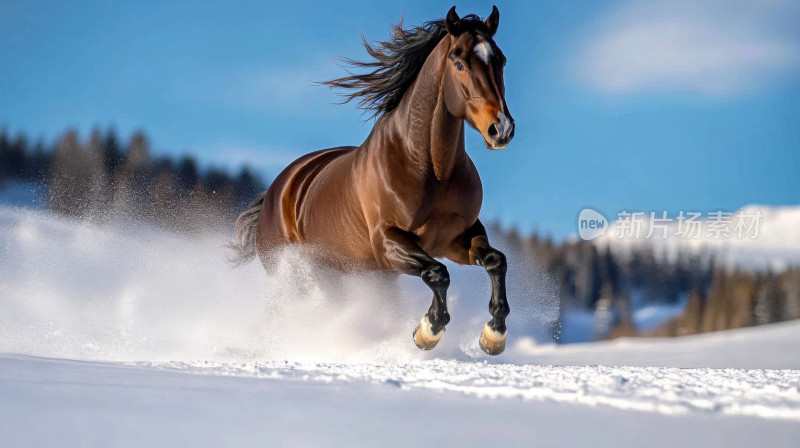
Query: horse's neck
432	137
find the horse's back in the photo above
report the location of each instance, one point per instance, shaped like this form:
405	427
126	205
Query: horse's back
314	200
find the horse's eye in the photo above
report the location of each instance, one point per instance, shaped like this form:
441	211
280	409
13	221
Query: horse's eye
459	66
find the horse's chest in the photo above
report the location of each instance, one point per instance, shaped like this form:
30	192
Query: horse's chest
446	214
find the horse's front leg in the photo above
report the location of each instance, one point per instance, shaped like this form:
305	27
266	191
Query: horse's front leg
473	248
400	249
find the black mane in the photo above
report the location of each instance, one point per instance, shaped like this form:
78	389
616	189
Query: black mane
397	62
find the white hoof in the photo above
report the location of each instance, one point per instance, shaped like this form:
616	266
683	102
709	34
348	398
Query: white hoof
424	337
492	342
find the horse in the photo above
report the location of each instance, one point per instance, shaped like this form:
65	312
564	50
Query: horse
409	194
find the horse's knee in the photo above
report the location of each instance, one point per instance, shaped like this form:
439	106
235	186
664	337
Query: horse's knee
436	276
499	310
495	262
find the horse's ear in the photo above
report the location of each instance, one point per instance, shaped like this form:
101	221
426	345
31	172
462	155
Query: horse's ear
493	21
452	22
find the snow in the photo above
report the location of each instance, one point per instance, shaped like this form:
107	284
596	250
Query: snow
772	346
48	402
122	334
757	393
126	291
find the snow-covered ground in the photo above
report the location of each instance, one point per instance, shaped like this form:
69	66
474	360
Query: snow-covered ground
121	334
48	402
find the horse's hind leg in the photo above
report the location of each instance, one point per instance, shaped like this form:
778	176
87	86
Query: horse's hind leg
473	248
401	250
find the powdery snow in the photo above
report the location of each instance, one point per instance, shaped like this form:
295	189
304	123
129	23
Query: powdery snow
47	402
756	393
171	347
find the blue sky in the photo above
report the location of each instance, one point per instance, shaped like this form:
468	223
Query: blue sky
650	105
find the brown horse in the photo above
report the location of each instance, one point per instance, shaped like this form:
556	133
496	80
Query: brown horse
410	193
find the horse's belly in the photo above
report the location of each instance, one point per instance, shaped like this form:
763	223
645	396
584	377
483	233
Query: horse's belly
335	226
437	235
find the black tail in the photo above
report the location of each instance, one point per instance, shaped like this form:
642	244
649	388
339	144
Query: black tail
244	247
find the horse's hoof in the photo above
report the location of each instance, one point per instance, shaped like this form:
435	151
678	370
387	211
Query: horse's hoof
424	337
492	343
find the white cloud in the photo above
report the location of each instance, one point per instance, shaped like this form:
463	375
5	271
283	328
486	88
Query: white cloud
719	47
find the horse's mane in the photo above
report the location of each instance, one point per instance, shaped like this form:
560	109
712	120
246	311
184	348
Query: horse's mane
397	62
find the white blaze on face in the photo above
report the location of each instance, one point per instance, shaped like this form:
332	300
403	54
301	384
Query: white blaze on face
484	51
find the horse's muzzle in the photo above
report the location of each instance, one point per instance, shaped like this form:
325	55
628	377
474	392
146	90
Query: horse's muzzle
500	133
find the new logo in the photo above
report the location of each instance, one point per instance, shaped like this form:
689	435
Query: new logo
591	224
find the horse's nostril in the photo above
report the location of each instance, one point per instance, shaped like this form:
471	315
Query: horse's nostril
493	130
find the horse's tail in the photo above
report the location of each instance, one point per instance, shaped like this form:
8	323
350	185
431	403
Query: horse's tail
244	247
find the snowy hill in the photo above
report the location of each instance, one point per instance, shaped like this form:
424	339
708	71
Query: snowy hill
122	334
217	403
774	243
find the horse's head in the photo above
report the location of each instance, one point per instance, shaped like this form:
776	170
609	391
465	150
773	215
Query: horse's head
473	82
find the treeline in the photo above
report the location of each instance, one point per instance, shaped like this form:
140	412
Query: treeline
100	178
739	299
613	284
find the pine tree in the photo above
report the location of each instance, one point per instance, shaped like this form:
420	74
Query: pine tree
68	186
133	182
99	194
12	155
112	156
767	301
245	187
188	174
790	293
165	202
740	301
